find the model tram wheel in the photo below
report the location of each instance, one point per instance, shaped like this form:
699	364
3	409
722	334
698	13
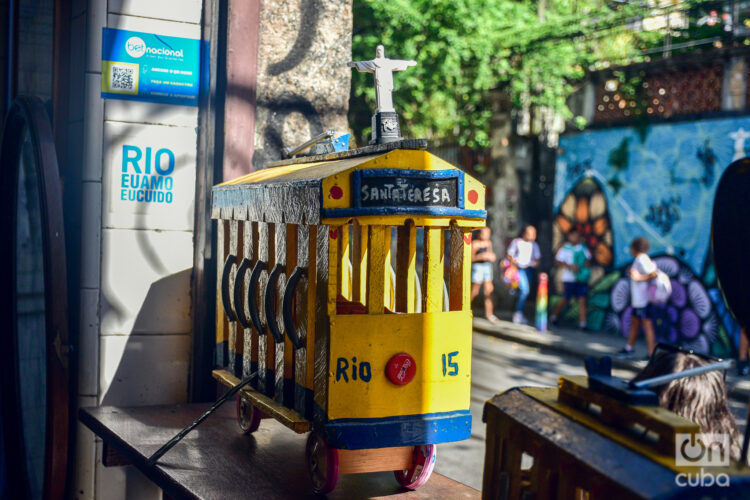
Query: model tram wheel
422	465
248	416
322	463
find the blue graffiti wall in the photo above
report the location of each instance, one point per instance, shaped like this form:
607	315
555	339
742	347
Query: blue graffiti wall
659	182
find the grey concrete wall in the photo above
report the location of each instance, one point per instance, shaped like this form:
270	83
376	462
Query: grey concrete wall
303	79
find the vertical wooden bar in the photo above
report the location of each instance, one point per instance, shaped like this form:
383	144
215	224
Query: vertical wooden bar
389	299
323	306
256	338
233	326
302	356
378	264
239	331
312	310
406	262
459	263
333	268
466	300
249	363
544	473
276	355
263	341
289	354
344	275
222	325
359	263
434	258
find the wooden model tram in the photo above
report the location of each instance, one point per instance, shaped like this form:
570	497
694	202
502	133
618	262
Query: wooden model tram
320	289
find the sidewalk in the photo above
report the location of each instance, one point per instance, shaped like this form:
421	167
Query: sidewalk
581	344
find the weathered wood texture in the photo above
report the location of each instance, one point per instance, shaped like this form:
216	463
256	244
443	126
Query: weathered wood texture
264	339
250	348
574	391
459	277
218	462
567	456
378	265
319	335
375	460
222	324
275	289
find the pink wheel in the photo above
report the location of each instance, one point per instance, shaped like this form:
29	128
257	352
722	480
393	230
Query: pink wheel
322	463
422	465
248	416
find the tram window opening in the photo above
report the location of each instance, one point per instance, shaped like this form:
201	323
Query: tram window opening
359	250
433	273
345	268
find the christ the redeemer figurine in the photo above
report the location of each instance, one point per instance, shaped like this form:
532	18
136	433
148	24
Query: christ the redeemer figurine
385	120
383	69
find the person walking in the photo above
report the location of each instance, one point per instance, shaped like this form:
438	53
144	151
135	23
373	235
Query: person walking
482	260
641	272
524	253
573	257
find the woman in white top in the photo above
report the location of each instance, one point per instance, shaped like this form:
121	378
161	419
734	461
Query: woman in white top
524	253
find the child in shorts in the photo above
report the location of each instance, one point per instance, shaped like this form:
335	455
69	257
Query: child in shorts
573	257
641	272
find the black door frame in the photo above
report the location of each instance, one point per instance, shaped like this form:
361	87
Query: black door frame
28	113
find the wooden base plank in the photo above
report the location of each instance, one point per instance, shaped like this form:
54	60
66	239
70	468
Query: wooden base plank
268	406
375	460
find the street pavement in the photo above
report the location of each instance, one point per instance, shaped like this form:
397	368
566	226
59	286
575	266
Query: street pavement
517	358
581	344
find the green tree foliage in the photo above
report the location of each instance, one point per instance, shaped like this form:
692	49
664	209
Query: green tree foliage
536	51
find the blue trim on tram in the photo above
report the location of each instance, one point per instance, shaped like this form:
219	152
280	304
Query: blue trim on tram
408	430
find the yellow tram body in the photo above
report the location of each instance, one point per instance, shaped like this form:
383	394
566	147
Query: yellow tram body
320	290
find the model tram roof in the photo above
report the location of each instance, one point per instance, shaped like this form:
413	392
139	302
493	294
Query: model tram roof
293	192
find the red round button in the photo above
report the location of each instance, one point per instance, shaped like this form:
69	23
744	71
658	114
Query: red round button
336	192
473	196
401	369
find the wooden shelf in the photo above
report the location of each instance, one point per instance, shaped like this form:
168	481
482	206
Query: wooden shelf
218	461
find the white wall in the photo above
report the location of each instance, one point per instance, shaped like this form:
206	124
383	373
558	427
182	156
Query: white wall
136	260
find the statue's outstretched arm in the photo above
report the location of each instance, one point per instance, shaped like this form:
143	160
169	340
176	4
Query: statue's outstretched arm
401	64
364	66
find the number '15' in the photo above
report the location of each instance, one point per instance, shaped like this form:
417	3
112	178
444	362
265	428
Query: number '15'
450	364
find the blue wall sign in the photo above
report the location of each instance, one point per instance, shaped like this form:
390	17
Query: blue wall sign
147	67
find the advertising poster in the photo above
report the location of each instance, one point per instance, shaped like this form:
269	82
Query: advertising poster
149	67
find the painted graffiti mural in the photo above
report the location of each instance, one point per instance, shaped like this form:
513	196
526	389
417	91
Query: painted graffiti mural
617	184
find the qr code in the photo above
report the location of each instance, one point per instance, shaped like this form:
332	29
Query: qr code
123	78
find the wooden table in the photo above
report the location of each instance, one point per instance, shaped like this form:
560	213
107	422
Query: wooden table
217	461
